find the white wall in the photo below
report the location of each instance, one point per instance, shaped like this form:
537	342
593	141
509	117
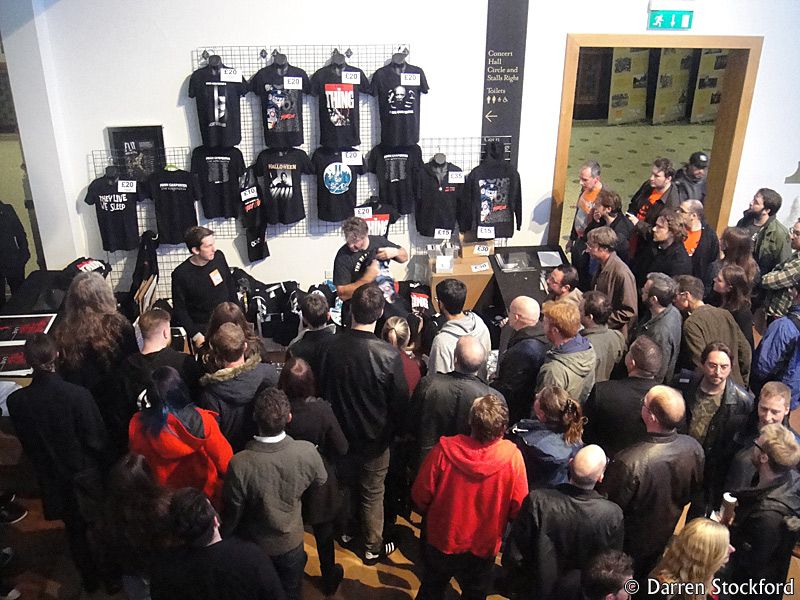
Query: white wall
78	66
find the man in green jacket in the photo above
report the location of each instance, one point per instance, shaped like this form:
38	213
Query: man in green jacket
770	238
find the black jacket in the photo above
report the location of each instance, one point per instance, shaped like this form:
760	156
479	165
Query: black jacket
362	377
62	432
670	199
440	204
311	347
622	227
494	193
765	530
719	444
14	251
650	258
613	413
136	371
652	481
688	188
440	406
557	531
707	252
518	369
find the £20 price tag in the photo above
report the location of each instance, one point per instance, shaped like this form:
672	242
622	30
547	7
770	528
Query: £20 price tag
352	157
484	266
409	78
442	234
363	212
353	77
250	192
126	186
455	177
482	249
230	75
293	83
486	233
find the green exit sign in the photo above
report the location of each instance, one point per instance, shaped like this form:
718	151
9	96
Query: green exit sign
670	19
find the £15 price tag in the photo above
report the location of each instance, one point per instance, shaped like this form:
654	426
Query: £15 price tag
230	75
455	177
442	234
293	83
364	212
486	233
409	78
126	186
250	192
353	77
352	157
482	249
484	266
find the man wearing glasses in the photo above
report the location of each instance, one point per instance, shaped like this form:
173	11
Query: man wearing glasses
781	282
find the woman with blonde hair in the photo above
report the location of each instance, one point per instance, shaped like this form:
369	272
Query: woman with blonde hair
397	332
693	556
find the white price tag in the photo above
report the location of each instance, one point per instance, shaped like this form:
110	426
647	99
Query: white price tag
442	234
364	212
444	264
352	157
455	177
230	75
353	77
250	192
482	249
486	233
126	186
484	266
293	83
409	78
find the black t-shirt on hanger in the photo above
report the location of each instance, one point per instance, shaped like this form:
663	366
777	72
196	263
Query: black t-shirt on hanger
338	91
336	184
398	90
396	170
116	214
218	171
174	195
281	103
278	174
217	106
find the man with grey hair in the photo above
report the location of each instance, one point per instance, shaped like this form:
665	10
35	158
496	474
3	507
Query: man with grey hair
559	530
589	177
701	243
665	322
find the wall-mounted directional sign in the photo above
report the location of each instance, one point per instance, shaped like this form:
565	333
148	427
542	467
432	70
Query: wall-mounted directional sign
680	20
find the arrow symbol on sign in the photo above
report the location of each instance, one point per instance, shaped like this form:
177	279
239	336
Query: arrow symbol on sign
490	115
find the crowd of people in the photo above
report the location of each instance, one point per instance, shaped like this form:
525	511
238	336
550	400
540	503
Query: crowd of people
634	390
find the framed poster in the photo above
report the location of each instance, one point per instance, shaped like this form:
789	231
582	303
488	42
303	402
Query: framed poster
18	329
137	151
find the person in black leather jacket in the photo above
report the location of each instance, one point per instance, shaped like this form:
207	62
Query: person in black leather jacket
714	425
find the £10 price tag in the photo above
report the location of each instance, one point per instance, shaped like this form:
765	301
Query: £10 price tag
230	75
293	83
409	78
455	177
126	186
442	234
250	192
484	266
352	157
482	249
353	77
363	212
486	233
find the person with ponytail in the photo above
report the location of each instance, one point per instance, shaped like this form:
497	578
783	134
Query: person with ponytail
397	331
552	439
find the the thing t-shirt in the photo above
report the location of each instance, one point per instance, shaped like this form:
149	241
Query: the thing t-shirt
116	214
278	173
281	103
218	171
338	91
336	184
217	106
398	90
174	195
396	170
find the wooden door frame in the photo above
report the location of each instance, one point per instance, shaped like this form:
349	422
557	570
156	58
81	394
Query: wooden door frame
730	125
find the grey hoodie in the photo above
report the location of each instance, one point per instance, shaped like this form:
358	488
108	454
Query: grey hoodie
443	349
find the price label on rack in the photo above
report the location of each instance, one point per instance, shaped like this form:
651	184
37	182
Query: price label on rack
363	212
293	83
126	186
486	233
353	77
484	266
230	75
455	177
409	78
352	157
442	234
250	192
482	249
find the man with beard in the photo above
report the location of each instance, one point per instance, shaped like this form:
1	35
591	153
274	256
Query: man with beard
770	238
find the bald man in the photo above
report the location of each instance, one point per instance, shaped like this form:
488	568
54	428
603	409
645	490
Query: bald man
519	365
558	530
655	478
441	401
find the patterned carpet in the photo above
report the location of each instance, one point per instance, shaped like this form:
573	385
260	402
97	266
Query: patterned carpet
625	153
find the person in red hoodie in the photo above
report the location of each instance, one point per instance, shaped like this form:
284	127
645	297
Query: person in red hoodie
468	488
182	443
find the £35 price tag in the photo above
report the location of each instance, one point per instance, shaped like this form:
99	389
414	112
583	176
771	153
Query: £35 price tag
482	249
409	78
455	177
486	233
352	157
484	266
126	186
250	192
293	83
442	234
364	212
353	77
230	75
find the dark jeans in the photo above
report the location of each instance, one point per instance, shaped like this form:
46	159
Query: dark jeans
473	574
290	567
365	477
324	534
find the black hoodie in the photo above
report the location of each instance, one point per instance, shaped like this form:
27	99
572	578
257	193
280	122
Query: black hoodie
494	194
